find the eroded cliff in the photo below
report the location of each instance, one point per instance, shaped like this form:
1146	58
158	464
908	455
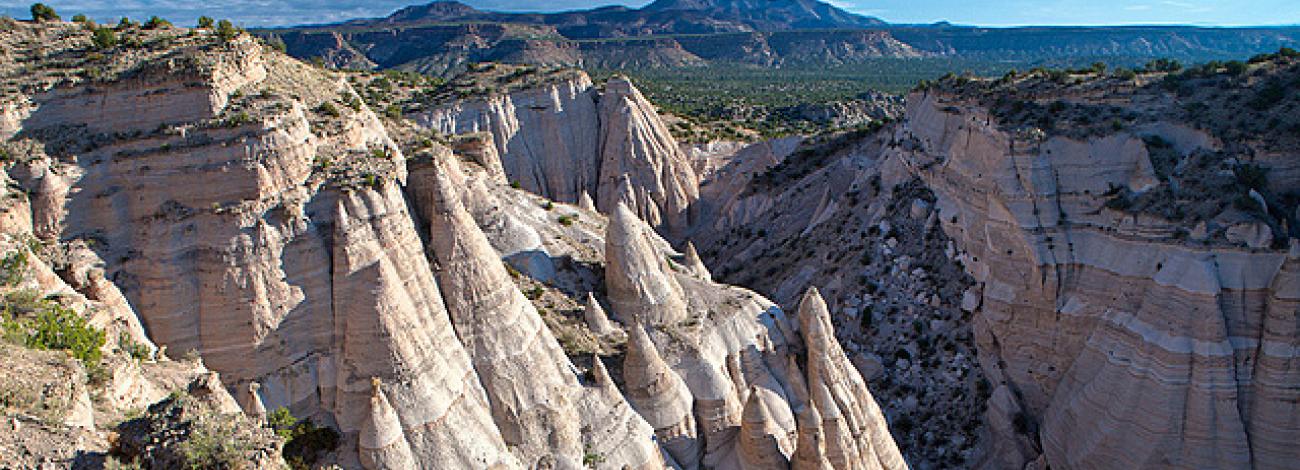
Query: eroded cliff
266	221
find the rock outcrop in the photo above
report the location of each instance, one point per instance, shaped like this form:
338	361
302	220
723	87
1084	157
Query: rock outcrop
529	381
636	143
595	316
661	396
810	450
641	288
276	231
856	434
763	444
274	269
1123	345
563	137
382	443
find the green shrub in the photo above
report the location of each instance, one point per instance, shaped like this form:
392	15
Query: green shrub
58	327
104	38
1252	176
327	108
12	268
205	22
238	119
275	42
352	101
126	24
1236	67
137	351
42	12
226	30
304	442
212	447
79	18
393	111
565	220
157	23
1119	202
591	458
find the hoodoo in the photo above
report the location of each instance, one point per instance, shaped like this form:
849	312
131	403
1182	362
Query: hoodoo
640	286
382	443
661	396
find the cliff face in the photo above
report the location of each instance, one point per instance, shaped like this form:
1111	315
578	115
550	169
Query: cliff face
277	232
1127	346
566	137
273	269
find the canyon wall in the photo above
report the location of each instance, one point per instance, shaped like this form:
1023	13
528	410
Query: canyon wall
1126	345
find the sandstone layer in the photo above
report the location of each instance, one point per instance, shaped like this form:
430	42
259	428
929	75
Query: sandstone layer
563	136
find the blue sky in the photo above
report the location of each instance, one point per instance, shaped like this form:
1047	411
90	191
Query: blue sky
990	13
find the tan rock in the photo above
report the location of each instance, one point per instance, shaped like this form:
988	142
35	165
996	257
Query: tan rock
694	265
810	451
531	384
528	379
636	143
640	288
1254	235
1121	318
382	443
253	402
479	148
395	328
857	433
660	395
555	153
207	387
763	444
586	203
595	317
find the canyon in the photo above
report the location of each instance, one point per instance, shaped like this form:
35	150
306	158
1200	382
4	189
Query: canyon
529	271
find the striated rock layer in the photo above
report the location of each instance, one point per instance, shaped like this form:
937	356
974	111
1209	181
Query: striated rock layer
1126	349
530	382
566	137
229	239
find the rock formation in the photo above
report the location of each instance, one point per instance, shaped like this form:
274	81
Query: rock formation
586	202
313	266
694	264
810	449
382	442
565	137
856	434
527	377
641	288
763	444
529	381
661	396
595	317
546	136
1119	344
636	143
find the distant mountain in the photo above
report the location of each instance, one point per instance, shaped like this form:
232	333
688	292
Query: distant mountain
661	17
442	37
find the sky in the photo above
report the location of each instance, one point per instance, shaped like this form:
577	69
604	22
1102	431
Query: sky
969	12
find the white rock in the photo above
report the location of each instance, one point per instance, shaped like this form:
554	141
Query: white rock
920	209
970	300
1253	234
